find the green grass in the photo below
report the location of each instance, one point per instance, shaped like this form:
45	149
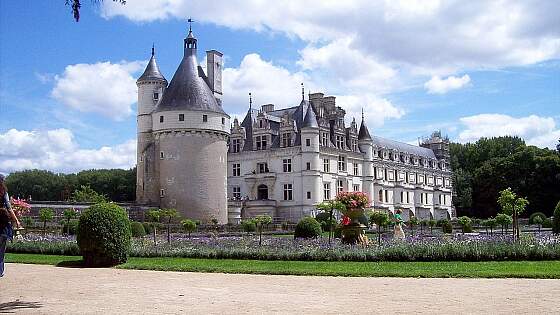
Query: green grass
502	269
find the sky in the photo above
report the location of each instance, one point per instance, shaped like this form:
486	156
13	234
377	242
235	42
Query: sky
468	68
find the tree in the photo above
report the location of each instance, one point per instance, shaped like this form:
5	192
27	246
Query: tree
464	222
46	215
432	223
189	226
423	224
490	223
329	207
504	220
413	221
168	216
76	5
512	205
248	226
69	214
380	219
260	222
556	219
87	194
153	216
538	220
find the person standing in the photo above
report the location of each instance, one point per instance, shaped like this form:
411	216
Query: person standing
7	217
399	233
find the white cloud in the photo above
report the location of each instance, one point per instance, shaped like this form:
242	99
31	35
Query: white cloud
105	88
376	110
437	85
267	82
535	130
434	37
56	150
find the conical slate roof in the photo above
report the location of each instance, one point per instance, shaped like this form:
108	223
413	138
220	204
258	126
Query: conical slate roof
188	89
310	119
152	71
363	134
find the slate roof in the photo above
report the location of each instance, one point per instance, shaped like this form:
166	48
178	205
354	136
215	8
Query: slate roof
363	134
188	89
152	71
403	147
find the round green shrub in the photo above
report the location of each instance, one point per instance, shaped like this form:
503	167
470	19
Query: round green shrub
546	223
248	226
104	235
556	219
534	215
137	229
307	228
446	226
70	228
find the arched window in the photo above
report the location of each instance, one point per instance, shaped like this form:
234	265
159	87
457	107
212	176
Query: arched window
262	192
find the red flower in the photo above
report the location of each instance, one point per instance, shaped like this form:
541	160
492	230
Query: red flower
345	220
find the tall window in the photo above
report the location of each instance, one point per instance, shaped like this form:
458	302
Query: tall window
181	117
354	145
356	170
380	197
287	139
386	196
339	185
261	142
156	96
262	167
236	192
288	192
422	198
402	197
340	142
236	145
341	164
308	195
287	165
161	192
236	169
307	166
326	166
307	142
327	191
324	139
356	187
160	119
204	118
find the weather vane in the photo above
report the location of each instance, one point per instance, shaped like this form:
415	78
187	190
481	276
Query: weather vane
190	20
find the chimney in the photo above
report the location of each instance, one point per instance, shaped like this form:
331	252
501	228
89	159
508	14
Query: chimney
214	67
267	108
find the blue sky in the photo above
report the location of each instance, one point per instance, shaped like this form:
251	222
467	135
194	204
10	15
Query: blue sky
67	92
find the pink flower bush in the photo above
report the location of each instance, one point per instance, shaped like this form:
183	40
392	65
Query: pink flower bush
20	206
354	204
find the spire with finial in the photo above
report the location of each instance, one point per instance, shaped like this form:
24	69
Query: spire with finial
152	70
190	20
153	49
250	101
363	134
302	92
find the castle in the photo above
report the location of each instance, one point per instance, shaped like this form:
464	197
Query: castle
278	162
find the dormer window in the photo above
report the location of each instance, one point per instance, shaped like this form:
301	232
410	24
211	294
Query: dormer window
236	145
287	139
260	142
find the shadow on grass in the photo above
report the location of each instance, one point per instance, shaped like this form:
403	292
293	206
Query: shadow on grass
12	307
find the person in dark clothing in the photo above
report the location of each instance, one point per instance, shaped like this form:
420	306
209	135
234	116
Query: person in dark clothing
7	218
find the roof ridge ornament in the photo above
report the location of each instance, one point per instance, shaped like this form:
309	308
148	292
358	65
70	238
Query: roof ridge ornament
250	101
302	92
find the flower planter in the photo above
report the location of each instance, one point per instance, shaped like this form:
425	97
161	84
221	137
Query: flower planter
353	233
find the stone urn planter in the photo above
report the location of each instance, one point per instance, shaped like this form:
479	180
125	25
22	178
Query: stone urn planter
353	216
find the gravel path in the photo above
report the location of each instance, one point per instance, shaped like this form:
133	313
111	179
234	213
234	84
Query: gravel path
37	289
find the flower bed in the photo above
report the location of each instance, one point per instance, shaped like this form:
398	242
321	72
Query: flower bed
440	248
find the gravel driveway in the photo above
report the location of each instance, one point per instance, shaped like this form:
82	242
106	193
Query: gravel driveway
38	289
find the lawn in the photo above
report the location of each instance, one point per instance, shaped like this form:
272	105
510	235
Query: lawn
489	269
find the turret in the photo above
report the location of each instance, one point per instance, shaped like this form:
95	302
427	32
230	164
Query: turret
151	86
311	163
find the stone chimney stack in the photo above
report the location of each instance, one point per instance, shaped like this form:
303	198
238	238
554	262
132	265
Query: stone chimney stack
214	65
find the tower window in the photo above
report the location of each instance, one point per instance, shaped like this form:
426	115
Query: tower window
223	121
181	117
308	166
161	155
161	119
161	192
308	195
308	142
156	96
204	118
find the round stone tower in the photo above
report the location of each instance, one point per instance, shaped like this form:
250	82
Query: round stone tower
151	86
191	131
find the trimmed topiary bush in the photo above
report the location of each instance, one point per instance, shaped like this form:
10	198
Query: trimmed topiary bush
137	229
534	215
307	227
446	226
248	226
546	223
104	235
556	219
